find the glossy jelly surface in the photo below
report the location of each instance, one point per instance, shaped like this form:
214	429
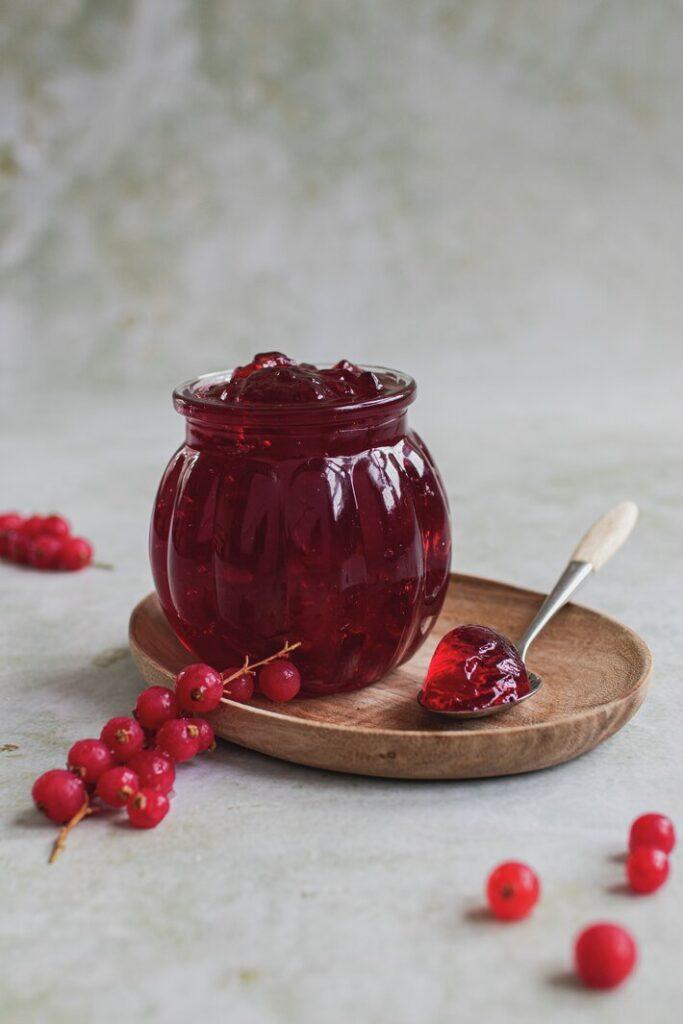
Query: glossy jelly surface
286	516
474	668
272	378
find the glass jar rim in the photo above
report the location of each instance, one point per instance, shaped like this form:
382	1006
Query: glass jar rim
188	402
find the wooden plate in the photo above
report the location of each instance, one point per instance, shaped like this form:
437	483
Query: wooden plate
595	674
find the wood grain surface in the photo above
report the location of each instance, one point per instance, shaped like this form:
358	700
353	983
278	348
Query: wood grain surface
595	675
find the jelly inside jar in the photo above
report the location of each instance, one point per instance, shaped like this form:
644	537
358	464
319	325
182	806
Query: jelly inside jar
272	378
474	668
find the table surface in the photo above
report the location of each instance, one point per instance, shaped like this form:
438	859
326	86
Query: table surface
283	893
485	195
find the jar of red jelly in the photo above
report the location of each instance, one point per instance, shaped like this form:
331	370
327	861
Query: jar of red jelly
301	507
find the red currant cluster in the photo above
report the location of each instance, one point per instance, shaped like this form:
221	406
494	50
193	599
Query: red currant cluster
604	953
132	764
43	542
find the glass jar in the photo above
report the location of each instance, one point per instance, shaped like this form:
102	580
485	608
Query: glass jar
324	524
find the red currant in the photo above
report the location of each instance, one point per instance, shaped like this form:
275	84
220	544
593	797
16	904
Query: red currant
89	759
279	680
512	891
59	794
241	688
124	737
44	551
116	786
604	955
76	553
206	737
653	830
10	521
15	547
56	526
156	705
154	769
199	688
647	868
32	526
179	738
147	808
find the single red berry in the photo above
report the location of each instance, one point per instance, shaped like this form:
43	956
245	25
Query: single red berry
76	553
147	808
116	786
241	688
512	891
32	526
59	794
653	830
206	736
156	705
154	769
279	680
124	737
56	526
15	547
89	759
44	551
199	688
10	521
179	738
647	868
604	955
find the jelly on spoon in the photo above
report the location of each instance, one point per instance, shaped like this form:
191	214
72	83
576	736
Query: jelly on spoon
476	671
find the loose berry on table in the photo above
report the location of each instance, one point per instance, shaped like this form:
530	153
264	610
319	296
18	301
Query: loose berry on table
89	759
44	551
124	737
147	808
199	688
604	955
653	830
179	738
279	680
155	770
206	735
647	869
512	891
76	554
59	794
241	688
117	785
156	705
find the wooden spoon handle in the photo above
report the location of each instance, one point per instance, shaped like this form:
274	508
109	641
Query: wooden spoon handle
607	535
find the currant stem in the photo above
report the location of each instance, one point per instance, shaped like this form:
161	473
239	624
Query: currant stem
249	667
102	565
60	841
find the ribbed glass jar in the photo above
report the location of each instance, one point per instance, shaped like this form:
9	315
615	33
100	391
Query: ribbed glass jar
325	524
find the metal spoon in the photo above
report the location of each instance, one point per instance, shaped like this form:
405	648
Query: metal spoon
597	546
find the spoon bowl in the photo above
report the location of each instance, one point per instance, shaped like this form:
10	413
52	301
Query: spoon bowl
597	546
534	685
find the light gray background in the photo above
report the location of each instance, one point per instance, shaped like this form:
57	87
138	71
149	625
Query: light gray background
485	194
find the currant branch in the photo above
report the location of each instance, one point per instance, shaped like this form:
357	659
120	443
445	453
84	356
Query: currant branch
60	841
251	666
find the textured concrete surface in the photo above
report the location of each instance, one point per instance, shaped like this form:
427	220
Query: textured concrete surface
487	195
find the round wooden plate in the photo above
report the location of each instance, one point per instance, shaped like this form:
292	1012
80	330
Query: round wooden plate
595	674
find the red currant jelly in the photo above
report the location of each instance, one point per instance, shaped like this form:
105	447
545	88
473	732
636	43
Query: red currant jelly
474	668
301	507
